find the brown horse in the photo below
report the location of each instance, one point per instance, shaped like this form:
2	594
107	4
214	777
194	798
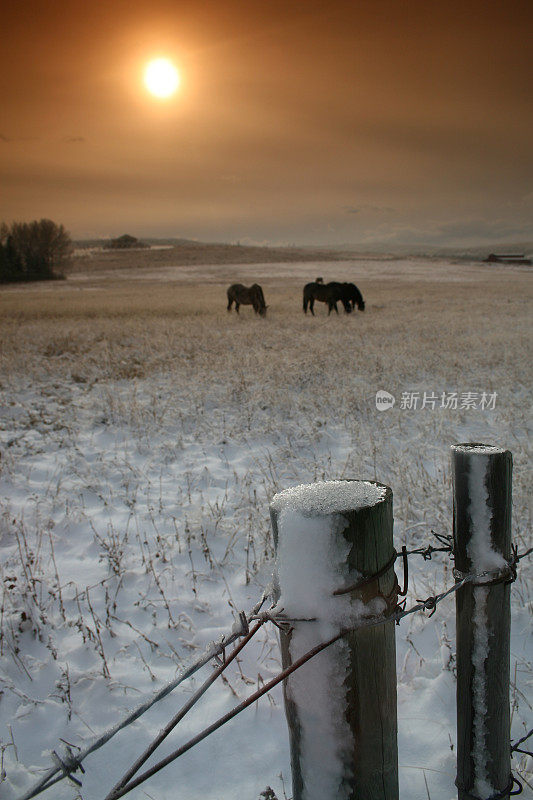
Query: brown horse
247	296
326	293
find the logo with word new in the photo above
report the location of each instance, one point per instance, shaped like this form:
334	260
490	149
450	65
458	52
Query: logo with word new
384	400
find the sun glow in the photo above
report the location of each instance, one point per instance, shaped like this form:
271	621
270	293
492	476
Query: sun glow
161	78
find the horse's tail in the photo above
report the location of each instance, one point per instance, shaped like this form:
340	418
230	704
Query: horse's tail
231	297
308	296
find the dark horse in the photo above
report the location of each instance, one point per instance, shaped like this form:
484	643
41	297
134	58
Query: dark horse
247	296
351	293
328	293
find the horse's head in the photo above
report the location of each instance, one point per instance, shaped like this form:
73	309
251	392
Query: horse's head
361	305
263	311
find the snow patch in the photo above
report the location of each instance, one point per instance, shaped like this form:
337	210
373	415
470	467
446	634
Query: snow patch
479	549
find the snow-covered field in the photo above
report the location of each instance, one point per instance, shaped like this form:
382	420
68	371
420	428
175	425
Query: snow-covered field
143	434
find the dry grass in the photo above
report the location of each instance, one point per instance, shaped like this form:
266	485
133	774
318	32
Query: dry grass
197	254
459	333
417	333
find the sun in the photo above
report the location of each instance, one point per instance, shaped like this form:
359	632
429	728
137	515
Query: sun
161	77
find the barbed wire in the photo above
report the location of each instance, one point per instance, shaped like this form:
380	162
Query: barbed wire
73	762
281	620
184	710
515	747
446	540
513	780
69	763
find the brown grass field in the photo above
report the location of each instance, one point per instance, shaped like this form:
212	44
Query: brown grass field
144	431
460	323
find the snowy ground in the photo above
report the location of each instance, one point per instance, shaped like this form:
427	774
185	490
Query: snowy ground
139	451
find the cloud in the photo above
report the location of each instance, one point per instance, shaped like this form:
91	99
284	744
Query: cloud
4	138
365	208
460	232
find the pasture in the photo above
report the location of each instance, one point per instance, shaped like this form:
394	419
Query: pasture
144	431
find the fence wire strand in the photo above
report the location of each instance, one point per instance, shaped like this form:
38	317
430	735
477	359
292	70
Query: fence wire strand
515	748
429	603
184	710
72	763
69	763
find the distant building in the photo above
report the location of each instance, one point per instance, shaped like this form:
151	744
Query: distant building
507	258
124	242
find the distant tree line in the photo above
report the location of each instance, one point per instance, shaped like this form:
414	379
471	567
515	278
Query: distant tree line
33	251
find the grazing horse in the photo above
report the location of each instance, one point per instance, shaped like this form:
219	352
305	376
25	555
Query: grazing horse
353	295
328	293
247	296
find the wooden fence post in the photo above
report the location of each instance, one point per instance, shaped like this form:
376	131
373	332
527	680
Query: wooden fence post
482	543
341	705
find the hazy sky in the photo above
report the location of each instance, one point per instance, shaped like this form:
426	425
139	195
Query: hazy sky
299	122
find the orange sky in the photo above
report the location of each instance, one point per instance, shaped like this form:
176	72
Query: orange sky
396	121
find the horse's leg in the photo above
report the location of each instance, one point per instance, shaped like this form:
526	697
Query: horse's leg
230	301
312	306
305	305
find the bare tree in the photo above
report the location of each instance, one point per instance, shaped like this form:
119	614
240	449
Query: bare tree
35	250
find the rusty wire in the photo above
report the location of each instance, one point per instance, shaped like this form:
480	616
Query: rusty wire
184	710
281	620
501	795
279	617
515	747
445	540
70	762
65	768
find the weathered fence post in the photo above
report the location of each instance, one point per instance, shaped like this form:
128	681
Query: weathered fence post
341	705
482	543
